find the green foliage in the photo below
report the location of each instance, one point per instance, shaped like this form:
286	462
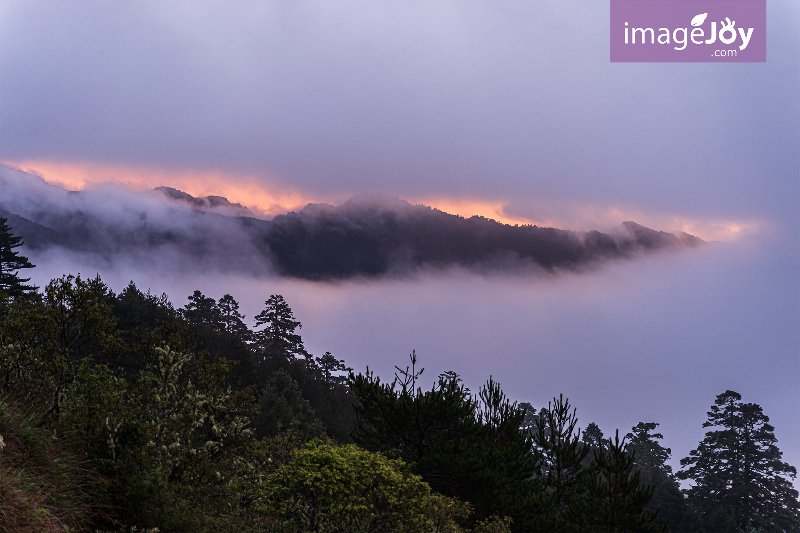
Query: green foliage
738	472
124	411
327	394
601	492
81	314
462	446
231	320
278	340
282	405
593	436
42	482
503	464
423	428
133	308
170	439
329	488
557	440
651	462
651	457
11	263
614	498
278	347
494	524
45	339
202	312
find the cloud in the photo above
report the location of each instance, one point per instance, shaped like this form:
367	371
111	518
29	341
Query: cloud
466	101
267	199
117	225
254	192
369	236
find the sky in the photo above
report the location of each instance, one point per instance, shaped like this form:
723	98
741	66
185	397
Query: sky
506	109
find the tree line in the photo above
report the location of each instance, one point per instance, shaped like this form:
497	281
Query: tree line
121	412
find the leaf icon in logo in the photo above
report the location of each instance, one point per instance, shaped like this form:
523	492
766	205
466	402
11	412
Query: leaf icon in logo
699	19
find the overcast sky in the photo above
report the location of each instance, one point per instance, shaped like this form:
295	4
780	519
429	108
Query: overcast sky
466	103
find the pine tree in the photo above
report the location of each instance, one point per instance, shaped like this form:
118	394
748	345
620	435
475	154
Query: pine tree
558	440
328	364
651	456
202	312
281	406
614	500
738	472
651	462
593	436
464	446
11	262
231	319
424	428
278	339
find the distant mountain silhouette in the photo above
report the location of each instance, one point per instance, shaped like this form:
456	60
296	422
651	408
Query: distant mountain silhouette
375	238
35	236
367	237
214	204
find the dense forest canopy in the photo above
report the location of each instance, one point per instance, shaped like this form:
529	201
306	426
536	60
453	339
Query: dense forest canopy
122	411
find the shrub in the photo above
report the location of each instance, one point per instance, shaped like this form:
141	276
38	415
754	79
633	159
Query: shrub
330	488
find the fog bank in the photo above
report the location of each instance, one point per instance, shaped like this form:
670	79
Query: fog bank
370	237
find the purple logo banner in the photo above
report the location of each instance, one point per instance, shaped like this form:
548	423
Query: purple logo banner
689	31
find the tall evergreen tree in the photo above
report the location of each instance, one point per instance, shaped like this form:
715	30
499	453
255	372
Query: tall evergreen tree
651	462
557	439
282	406
278	340
738	472
11	262
464	446
202	312
231	319
328	364
614	499
651	456
593	436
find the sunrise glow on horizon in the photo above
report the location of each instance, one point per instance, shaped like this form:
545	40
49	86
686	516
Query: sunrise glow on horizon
266	200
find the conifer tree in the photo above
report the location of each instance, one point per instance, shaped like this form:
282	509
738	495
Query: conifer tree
202	312
231	319
614	499
593	436
738	472
651	462
11	262
651	456
464	446
557	439
278	338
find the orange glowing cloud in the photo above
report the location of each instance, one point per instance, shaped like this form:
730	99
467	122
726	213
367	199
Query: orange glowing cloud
249	191
267	200
468	207
583	217
707	228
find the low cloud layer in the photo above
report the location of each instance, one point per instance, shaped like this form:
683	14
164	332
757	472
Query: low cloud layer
367	237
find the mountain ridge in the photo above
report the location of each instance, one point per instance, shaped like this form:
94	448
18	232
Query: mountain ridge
363	237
